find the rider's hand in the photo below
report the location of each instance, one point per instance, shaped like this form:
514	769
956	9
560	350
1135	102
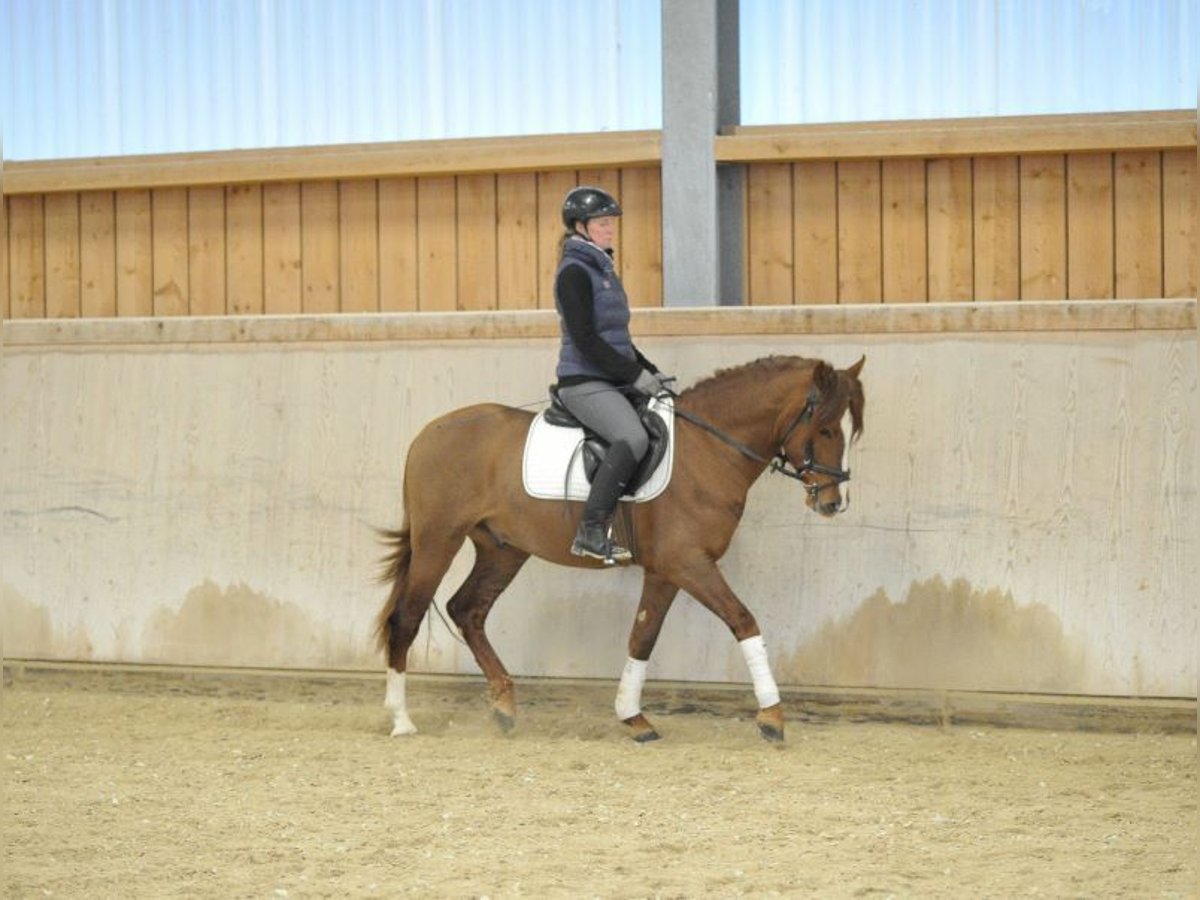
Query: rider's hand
649	384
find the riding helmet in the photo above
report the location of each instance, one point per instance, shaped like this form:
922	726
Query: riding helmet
583	203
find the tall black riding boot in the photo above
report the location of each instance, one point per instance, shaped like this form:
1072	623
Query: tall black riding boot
594	536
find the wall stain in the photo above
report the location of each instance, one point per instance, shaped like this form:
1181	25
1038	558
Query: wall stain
238	626
948	637
27	632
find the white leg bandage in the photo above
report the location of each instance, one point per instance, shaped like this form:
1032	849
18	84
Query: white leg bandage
765	689
629	691
396	702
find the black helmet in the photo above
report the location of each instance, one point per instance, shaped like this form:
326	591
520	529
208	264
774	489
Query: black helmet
583	203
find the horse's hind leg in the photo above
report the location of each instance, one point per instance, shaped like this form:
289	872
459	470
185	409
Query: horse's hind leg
419	567
494	569
657	596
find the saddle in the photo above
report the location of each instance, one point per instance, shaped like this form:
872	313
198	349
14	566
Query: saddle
562	455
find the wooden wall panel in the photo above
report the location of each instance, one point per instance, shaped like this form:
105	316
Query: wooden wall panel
206	251
997	230
860	264
1138	196
437	272
1090	226
135	254
358	245
904	232
5	293
1180	277
169	250
1043	223
62	256
552	187
398	244
814	232
27	256
97	254
319	254
283	285
951	267
244	249
640	253
517	241
477	263
769	243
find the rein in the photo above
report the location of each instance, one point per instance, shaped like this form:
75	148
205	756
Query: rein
780	462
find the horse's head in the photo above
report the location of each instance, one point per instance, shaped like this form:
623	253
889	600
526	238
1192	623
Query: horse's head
813	434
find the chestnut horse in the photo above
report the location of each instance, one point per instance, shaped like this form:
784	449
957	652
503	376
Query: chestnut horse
463	480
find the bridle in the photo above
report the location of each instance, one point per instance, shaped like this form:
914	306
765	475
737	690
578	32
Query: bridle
781	462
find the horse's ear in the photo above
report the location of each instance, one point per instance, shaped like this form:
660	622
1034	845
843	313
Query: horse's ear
825	378
857	367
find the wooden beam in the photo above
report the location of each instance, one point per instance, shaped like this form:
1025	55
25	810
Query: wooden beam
1016	317
1005	135
447	157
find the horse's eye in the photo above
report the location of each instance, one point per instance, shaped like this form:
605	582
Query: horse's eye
827	432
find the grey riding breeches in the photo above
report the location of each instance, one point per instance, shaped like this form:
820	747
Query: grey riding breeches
602	407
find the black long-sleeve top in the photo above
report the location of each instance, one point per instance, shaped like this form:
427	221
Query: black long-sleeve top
574	290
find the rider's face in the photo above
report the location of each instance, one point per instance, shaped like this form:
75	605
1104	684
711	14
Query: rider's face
601	231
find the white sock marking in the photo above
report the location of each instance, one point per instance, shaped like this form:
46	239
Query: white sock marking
396	702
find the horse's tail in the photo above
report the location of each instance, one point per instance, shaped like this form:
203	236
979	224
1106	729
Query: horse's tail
395	570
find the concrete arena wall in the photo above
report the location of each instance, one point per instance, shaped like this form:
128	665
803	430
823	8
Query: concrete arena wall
203	492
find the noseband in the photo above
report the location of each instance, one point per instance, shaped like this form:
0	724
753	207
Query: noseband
781	462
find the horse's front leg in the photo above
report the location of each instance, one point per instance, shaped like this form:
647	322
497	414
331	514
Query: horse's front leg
657	595
704	581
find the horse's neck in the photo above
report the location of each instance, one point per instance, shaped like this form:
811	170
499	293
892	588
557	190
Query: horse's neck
750	410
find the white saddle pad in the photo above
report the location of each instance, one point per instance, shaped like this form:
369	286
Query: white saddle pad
549	449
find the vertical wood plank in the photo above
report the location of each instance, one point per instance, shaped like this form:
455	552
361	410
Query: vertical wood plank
1043	227
62	256
244	249
169	224
477	276
358	215
905	247
860	263
1089	226
5	294
640	253
206	251
27	259
97	254
283	286
1139	236
769	243
552	188
319	247
951	229
398	244
135	254
437	282
517	241
814	230
1179	239
996	214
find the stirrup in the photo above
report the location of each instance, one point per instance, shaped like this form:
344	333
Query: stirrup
610	552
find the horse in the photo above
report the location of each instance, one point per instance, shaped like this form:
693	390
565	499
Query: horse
462	480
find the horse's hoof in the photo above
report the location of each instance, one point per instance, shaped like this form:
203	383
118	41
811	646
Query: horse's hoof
770	723
504	720
402	725
641	730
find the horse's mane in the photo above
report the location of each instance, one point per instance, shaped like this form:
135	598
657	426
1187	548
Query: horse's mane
839	390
